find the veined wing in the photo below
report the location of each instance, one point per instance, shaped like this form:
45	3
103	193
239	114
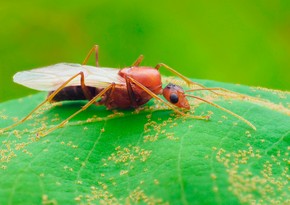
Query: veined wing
52	77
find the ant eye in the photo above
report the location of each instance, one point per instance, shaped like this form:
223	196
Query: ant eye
170	85
173	98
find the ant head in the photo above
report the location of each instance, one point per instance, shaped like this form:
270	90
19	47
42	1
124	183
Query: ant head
175	95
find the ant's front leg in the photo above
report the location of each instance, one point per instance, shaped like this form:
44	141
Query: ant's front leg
188	81
171	106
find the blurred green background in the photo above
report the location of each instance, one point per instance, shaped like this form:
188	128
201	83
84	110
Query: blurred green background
246	42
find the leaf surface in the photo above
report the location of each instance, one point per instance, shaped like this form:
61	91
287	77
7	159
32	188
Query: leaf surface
149	155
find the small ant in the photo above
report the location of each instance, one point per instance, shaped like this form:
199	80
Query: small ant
129	87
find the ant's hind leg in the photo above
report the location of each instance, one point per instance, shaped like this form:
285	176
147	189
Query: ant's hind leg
48	99
96	49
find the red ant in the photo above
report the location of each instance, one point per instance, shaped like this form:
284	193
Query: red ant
125	88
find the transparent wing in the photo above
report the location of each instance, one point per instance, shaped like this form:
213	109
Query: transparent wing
52	77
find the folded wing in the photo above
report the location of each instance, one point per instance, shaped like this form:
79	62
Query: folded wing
52	77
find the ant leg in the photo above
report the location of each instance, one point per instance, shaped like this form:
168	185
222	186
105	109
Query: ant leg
138	61
188	81
85	89
178	74
96	49
48	99
110	93
153	95
131	93
209	89
100	94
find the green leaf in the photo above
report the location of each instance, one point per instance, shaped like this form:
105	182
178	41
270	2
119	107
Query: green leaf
149	155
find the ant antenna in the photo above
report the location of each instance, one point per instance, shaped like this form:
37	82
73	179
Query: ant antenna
225	110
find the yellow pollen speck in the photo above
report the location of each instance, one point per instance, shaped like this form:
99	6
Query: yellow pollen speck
123	172
213	176
78	198
79	182
224	117
215	189
156	181
45	200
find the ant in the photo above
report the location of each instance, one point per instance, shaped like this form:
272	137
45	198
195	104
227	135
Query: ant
125	88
